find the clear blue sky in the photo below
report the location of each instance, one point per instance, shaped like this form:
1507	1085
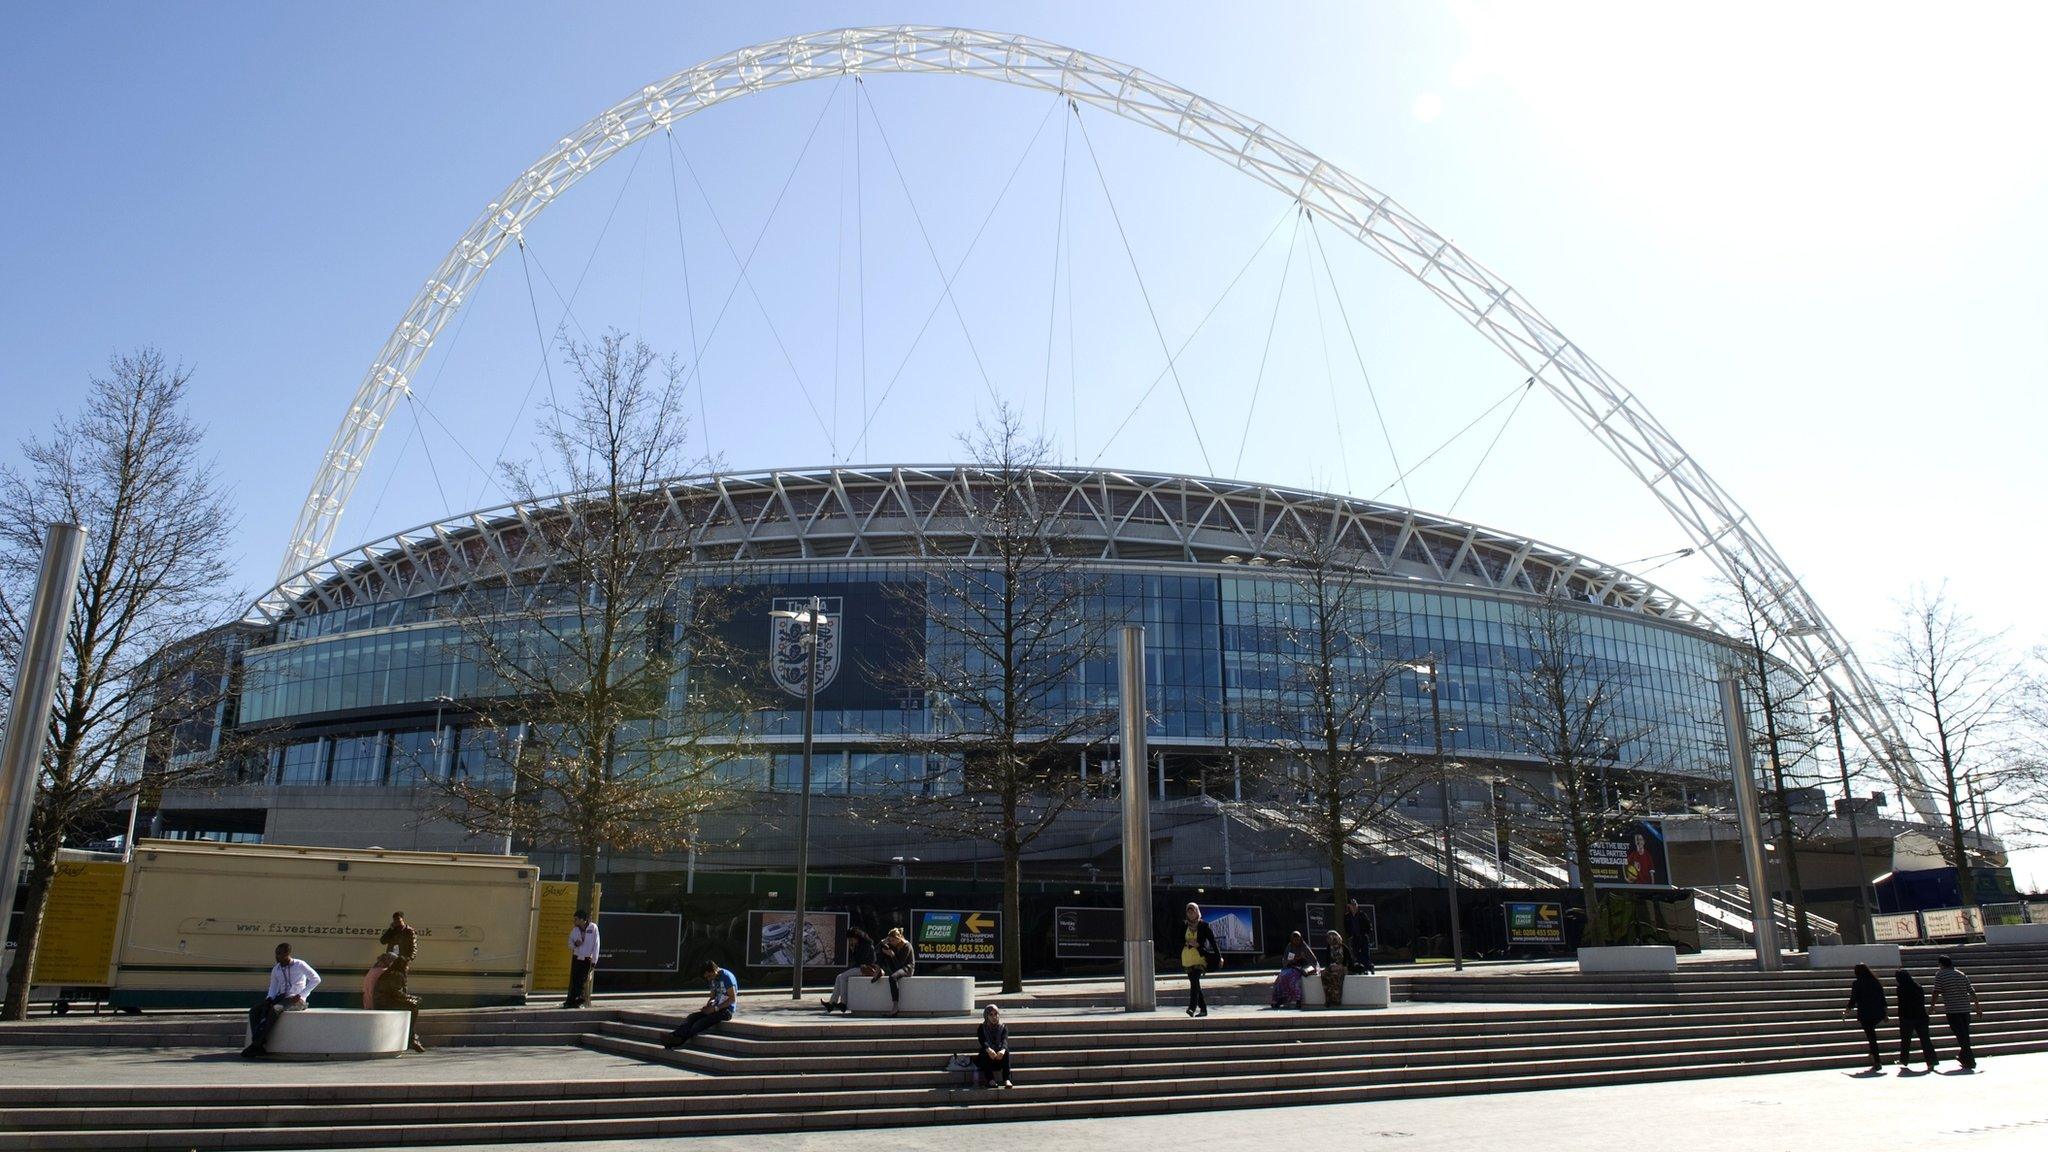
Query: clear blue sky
1810	241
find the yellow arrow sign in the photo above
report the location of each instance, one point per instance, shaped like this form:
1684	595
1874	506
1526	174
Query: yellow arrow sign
977	922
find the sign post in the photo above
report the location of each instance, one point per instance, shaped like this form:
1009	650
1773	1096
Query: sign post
35	688
1763	930
1140	993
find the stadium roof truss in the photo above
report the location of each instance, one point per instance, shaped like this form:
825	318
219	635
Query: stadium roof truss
929	513
1711	519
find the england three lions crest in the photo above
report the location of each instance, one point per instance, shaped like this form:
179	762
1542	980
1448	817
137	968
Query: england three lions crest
788	662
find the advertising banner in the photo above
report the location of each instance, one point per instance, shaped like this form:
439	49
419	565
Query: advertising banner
956	936
1322	918
1089	934
769	937
1951	923
551	929
1535	922
77	943
640	942
871	635
1240	928
1635	859
1895	928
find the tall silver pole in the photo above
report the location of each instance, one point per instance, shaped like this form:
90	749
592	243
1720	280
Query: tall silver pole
803	811
1443	780
1140	992
35	689
1763	930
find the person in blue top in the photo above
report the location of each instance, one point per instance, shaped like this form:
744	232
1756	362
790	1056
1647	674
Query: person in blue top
723	1002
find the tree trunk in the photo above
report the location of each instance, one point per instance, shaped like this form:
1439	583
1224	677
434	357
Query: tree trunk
1789	837
1013	916
42	866
586	877
1965	879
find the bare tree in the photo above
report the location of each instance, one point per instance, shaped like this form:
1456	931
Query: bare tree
1779	696
1003	639
603	677
1961	696
1317	705
1565	710
128	469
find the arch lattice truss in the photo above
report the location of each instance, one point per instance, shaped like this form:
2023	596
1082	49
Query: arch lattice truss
1709	516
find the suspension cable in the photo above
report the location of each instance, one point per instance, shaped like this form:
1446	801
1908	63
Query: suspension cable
1132	256
1244	436
412	429
1330	379
1190	338
1401	481
860	259
1052	307
1491	445
1316	234
675	194
539	335
946	290
861	89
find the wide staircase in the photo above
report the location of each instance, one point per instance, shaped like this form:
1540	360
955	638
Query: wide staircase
1516	1030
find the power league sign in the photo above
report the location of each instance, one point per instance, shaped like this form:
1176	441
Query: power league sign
957	937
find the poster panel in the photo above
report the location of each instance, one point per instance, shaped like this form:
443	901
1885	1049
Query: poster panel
1240	928
957	936
1895	927
1951	923
1089	934
1321	918
1534	922
640	942
1635	859
77	942
551	928
769	938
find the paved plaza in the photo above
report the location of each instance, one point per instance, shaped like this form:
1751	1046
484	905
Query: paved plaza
2004	1105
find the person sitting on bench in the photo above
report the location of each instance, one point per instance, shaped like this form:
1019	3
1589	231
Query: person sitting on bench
724	1001
291	982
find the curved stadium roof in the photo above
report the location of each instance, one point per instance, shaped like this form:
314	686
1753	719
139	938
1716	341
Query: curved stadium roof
907	512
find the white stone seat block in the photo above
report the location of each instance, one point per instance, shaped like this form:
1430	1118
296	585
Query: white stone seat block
1629	958
337	1034
922	995
1360	991
1850	955
2016	933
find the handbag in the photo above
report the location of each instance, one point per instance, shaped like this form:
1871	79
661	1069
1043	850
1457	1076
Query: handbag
870	970
960	1066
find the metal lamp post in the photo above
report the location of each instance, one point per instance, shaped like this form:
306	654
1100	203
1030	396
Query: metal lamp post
811	616
1443	776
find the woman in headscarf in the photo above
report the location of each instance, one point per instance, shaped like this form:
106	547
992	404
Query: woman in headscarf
1866	1000
1913	1020
1296	960
1338	961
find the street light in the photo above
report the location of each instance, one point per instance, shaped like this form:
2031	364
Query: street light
810	617
1428	667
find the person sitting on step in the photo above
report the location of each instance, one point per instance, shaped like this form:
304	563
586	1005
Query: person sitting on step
723	1002
1298	960
992	1049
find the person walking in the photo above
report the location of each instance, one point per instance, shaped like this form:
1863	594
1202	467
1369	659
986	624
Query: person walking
391	995
992	1049
1198	954
1358	934
860	960
1298	960
899	960
717	1009
1866	1000
583	944
291	982
1337	963
1957	997
1913	1020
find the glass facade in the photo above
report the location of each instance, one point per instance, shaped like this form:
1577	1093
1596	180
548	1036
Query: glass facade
374	677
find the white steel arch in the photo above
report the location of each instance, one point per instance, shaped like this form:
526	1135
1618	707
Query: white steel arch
1708	515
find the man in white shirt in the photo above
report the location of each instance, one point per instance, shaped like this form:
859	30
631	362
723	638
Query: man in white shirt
582	959
291	982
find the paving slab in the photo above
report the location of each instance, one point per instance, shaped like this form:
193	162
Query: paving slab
155	1066
2002	1106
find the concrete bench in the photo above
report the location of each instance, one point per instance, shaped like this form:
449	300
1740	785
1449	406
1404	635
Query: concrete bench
1360	991
922	995
337	1034
1629	958
1850	955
